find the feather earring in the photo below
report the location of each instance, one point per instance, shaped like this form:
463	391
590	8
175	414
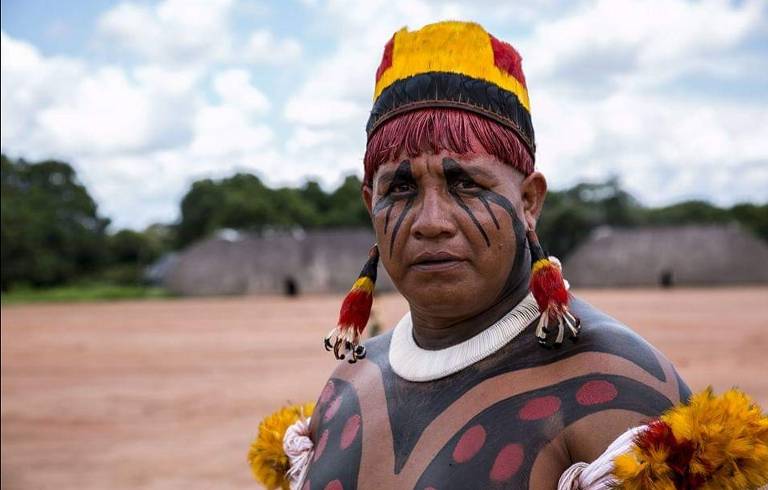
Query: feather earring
344	339
551	294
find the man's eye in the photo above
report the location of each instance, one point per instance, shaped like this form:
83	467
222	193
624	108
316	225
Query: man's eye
401	188
466	184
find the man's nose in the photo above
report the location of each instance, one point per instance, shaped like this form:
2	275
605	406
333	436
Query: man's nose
432	217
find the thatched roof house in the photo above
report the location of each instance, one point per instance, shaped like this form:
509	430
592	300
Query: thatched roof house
273	262
685	255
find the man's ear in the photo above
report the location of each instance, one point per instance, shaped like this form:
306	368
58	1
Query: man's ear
533	191
367	194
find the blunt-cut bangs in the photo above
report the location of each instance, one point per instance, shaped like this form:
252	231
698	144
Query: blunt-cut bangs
436	129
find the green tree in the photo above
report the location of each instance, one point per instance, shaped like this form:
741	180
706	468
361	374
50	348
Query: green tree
700	212
241	201
753	217
570	216
51	230
346	207
244	202
130	252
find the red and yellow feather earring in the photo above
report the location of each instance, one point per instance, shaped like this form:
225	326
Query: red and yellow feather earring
345	339
551	294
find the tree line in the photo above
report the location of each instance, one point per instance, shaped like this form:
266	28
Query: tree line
53	234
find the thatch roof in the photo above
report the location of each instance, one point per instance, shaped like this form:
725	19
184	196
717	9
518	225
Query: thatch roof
690	255
236	263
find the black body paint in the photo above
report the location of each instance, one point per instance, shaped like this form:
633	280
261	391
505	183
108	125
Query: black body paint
337	461
411	407
402	175
503	427
683	391
409	415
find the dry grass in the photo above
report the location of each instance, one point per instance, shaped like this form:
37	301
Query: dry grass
168	393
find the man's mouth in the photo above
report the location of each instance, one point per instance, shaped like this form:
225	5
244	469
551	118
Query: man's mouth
436	261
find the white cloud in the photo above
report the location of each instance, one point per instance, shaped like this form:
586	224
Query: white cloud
30	83
598	81
192	32
63	107
330	109
597	72
105	112
234	88
230	131
137	137
264	47
305	138
631	42
323	111
226	133
663	149
178	32
190	101
171	82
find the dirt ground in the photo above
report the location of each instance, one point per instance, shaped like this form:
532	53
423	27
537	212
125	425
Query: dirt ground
168	394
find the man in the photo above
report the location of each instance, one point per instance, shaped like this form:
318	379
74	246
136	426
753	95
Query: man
462	393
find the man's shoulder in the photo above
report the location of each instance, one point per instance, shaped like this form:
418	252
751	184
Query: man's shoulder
599	328
614	343
606	348
641	381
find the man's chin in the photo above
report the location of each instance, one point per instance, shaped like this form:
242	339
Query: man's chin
442	299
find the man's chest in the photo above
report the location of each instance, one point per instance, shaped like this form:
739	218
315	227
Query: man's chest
499	431
489	437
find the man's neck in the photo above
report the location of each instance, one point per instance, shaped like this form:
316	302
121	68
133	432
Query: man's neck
433	333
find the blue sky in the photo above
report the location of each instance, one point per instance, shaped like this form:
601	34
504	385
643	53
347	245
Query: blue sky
145	97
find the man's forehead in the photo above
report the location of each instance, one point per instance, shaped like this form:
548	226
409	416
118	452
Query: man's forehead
473	164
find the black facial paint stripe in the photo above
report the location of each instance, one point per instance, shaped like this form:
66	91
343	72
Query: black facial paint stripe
400	218
490	211
382	203
499	200
453	172
466	209
402	174
519	276
386	219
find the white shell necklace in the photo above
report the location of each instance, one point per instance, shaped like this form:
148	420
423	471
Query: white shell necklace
411	362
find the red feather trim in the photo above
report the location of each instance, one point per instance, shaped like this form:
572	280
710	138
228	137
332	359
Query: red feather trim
355	310
658	436
548	288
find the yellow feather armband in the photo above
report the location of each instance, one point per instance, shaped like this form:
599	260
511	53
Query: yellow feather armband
712	442
267	457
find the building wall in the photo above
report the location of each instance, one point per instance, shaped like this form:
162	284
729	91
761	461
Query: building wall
240	263
693	255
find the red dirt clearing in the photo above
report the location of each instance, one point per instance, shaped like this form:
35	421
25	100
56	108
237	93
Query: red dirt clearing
168	394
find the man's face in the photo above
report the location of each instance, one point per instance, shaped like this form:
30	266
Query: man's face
448	229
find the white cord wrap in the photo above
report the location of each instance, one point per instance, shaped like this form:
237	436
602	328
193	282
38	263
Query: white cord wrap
598	475
299	448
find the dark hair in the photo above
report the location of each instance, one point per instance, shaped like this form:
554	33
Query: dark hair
437	129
